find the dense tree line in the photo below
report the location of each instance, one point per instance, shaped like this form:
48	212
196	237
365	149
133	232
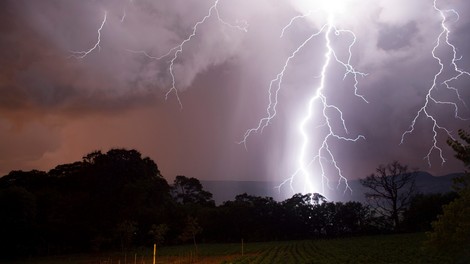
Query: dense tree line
120	200
100	202
451	232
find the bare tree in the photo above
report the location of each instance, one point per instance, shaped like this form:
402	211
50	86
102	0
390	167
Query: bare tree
390	190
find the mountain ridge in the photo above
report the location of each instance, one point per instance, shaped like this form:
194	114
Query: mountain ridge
225	190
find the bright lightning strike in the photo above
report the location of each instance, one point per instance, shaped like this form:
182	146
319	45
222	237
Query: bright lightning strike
83	54
442	42
323	154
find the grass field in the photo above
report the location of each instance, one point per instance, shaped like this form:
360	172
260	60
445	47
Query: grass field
404	248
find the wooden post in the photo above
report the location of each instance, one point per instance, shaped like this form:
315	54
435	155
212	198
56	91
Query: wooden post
154	252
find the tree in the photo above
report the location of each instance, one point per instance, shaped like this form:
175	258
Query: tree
126	231
190	191
351	217
451	232
96	202
17	219
462	150
253	218
424	209
298	214
190	231
390	190
158	232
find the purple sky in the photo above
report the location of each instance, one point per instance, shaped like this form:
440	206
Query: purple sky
55	108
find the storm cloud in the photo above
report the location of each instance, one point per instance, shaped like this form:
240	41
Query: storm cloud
54	108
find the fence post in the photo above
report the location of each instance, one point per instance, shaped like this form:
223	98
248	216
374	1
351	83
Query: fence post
154	252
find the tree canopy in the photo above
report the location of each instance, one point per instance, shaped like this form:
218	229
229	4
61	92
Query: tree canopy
119	200
189	191
451	232
84	204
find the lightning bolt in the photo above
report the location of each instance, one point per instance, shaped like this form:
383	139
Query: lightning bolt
123	15
442	41
323	154
83	54
174	52
124	12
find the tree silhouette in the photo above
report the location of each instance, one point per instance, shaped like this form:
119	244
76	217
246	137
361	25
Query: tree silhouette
191	229
119	199
451	232
190	191
424	209
158	232
126	230
390	190
84	204
17	218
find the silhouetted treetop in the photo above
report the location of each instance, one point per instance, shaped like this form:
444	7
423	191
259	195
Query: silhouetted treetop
190	191
390	190
462	149
85	203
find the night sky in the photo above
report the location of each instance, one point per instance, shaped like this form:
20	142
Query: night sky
55	108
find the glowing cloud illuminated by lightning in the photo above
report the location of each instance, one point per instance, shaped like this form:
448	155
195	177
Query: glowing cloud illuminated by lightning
345	38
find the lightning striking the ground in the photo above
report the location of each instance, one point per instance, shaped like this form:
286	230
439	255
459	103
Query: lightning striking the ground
323	154
449	66
316	165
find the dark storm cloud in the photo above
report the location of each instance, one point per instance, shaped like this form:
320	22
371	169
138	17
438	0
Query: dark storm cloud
45	34
55	108
37	73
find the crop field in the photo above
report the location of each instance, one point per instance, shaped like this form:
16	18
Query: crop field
405	248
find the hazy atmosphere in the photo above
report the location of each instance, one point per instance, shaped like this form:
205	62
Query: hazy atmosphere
140	59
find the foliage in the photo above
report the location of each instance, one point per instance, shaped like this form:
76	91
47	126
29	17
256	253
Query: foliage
120	201
261	218
462	150
158	232
83	205
424	209
18	211
451	232
189	191
390	190
190	231
126	231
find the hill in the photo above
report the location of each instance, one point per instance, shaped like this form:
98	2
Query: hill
227	190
